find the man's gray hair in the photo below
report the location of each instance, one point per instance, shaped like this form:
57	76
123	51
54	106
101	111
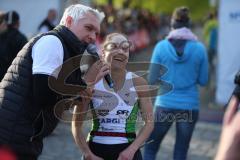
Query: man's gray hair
78	11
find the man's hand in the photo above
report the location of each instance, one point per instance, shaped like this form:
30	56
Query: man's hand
96	72
230	138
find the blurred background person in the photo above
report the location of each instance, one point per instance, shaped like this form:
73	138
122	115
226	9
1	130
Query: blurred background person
210	35
11	41
187	67
3	27
3	24
49	22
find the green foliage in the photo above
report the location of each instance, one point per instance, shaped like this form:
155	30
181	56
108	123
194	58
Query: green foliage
198	8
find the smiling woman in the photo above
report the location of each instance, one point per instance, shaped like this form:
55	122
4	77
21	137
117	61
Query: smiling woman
113	133
115	52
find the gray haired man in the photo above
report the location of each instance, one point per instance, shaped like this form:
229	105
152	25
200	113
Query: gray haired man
26	100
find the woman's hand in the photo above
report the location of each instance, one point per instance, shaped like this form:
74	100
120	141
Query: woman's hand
96	72
127	154
91	156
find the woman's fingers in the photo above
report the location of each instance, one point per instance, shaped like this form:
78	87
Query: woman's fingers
105	70
97	72
105	67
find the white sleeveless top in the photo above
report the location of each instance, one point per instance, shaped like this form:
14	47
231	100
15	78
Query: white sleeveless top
114	111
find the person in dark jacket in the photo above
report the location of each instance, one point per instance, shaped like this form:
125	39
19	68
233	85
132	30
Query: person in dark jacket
48	23
11	41
27	91
3	24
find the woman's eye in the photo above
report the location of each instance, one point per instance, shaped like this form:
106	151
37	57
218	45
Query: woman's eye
111	46
125	46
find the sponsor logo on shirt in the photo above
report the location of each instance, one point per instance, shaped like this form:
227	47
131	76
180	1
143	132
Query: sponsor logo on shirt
109	120
122	112
103	112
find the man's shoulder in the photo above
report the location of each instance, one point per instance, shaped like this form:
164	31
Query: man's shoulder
48	41
49	38
48	44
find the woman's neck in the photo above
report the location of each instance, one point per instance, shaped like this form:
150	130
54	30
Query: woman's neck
118	76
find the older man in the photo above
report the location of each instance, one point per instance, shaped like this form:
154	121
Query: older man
25	96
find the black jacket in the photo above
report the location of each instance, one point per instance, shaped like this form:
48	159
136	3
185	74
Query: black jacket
25	120
11	42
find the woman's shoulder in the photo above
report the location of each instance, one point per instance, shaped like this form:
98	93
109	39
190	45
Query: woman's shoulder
142	87
138	81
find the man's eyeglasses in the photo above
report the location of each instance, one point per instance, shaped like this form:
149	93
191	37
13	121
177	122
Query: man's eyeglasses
124	45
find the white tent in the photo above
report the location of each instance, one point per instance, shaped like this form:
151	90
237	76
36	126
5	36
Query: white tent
228	48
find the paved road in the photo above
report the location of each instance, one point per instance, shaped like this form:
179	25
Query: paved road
60	145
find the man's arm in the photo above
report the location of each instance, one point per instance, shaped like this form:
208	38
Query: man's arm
44	100
42	95
47	55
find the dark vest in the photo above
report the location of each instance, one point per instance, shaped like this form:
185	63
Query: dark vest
17	112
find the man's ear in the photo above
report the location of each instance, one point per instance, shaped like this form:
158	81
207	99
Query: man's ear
69	21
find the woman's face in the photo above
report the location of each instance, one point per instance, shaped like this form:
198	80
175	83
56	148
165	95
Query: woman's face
116	51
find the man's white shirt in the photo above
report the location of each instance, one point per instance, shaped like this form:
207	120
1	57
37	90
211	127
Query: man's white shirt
47	55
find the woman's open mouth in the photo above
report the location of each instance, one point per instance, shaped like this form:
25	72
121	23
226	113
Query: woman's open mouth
119	59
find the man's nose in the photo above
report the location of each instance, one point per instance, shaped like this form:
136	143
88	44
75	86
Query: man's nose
93	37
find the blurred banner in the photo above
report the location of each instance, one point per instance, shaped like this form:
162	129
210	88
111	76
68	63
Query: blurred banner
228	48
